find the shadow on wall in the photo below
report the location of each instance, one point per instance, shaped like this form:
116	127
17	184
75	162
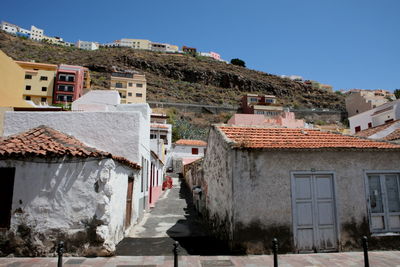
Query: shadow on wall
193	234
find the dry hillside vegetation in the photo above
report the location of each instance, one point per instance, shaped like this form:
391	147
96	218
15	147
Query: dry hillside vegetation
175	77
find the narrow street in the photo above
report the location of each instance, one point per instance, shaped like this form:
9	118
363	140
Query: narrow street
173	219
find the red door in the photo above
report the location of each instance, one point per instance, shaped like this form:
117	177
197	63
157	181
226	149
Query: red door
129	198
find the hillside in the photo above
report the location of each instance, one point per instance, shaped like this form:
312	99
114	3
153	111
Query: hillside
175	77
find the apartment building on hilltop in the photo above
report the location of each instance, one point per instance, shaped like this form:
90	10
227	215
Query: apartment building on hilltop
87	45
38	81
130	86
261	104
359	101
69	84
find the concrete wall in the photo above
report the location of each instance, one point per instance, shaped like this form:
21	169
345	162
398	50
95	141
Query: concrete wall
262	189
218	171
65	197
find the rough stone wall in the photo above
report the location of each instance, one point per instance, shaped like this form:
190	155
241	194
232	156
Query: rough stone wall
218	192
81	202
262	192
194	176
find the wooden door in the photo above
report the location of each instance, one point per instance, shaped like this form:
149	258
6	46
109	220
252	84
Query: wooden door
129	200
6	195
314	212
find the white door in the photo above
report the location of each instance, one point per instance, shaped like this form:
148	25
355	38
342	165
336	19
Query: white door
314	218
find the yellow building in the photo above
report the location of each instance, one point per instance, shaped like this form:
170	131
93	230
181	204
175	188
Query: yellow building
39	81
11	83
134	43
131	87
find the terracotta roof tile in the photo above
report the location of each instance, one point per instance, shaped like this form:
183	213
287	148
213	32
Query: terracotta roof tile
395	135
187	142
286	138
46	142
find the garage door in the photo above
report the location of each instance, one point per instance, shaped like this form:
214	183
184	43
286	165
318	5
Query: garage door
314	216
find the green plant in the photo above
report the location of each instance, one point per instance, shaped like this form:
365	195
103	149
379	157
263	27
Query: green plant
397	93
238	62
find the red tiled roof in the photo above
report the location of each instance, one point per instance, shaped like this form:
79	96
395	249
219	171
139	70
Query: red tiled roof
376	129
285	138
46	142
395	135
187	142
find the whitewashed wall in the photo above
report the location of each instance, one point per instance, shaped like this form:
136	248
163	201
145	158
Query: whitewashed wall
180	151
62	195
361	120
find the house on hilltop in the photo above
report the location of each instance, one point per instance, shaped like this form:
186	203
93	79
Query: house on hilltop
313	190
57	188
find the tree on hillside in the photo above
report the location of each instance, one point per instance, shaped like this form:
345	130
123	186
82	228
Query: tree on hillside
238	62
397	93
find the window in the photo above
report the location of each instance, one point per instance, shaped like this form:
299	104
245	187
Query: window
139	85
44	89
70	88
71	78
27	97
62	77
384	201
139	95
118	85
28	76
129	94
27	87
130	84
43	78
62	88
43	99
153	136
357	129
369	124
195	151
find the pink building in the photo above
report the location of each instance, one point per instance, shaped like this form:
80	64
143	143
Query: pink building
69	84
285	119
215	55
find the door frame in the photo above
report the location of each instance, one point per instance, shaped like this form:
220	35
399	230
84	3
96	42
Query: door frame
335	206
367	198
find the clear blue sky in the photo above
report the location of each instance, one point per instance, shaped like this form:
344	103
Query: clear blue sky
345	43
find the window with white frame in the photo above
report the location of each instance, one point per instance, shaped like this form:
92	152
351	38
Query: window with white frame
383	191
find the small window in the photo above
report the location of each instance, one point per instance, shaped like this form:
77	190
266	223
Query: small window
129	94
369	124
27	87
43	78
44	89
195	151
28	76
43	99
70	88
139	85
62	77
139	95
27	97
357	129
71	78
118	85
130	84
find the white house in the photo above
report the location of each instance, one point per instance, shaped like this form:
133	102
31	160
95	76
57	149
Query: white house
36	33
389	131
57	188
124	132
87	45
8	27
378	116
185	151
314	191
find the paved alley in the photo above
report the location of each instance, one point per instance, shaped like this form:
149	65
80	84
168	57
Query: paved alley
348	259
172	219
